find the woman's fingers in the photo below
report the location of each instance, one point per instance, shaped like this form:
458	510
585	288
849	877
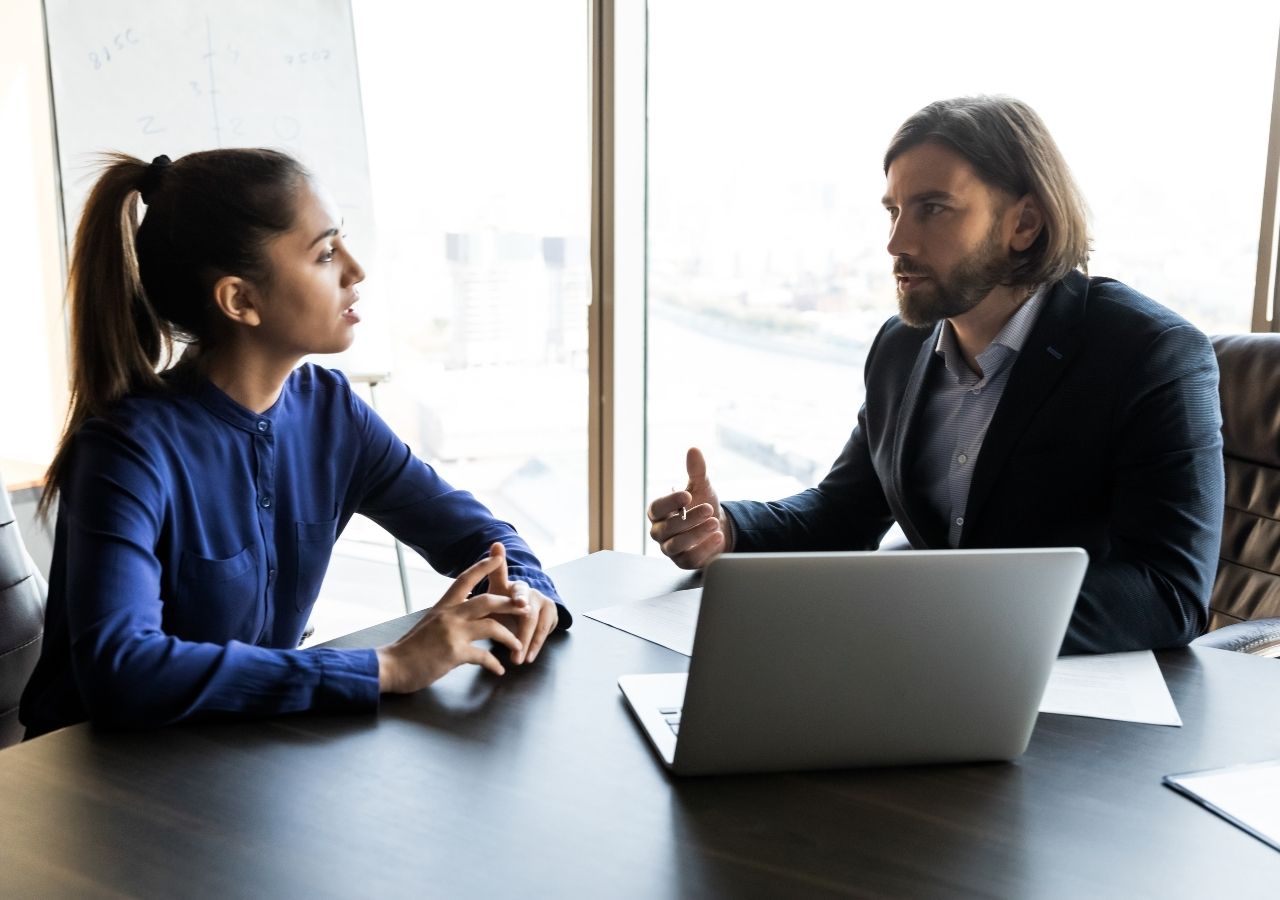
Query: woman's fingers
465	583
496	631
498	583
548	618
481	657
482	605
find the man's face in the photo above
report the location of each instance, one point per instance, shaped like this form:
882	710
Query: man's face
949	234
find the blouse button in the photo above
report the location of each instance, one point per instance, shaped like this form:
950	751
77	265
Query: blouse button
264	426
265	502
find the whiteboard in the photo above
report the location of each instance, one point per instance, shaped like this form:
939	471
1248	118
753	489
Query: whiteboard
147	77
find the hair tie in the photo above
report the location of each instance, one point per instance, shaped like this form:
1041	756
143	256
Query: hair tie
151	177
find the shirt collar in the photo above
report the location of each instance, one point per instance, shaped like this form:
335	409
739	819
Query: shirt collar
1008	341
212	398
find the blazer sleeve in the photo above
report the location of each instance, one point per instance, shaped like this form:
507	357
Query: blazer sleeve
1151	588
448	527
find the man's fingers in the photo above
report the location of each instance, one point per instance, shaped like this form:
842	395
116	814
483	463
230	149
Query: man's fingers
685	540
665	507
696	466
697	556
671	528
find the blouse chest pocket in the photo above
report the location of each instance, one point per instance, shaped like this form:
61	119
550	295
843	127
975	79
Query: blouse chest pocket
315	547
217	599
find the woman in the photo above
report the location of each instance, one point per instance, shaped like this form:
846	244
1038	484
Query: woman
200	501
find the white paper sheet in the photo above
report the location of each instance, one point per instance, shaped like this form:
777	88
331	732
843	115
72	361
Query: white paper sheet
1128	687
669	620
1243	795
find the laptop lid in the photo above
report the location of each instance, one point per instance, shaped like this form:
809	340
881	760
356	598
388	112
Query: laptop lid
834	660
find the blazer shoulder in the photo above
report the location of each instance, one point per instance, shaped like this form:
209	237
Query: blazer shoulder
1126	307
1127	326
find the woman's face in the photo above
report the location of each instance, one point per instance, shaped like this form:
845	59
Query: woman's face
308	304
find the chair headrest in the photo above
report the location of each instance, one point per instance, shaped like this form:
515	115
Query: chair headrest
1249	390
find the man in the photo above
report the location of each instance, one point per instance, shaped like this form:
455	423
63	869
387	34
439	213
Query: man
1013	401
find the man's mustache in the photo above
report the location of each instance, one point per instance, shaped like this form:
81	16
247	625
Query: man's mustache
905	270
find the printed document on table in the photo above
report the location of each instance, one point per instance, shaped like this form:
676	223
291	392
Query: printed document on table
669	620
1125	686
1243	795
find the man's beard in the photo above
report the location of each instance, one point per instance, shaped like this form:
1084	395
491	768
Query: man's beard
972	279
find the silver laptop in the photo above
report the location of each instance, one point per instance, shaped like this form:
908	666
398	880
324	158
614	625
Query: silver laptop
834	660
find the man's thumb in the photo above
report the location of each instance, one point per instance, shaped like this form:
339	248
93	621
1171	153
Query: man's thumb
696	467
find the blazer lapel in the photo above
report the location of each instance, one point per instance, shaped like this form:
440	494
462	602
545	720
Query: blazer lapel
1053	342
914	521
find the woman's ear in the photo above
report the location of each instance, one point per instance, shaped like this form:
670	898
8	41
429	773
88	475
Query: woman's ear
237	299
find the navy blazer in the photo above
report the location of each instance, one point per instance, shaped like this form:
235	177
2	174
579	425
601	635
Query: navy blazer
1107	437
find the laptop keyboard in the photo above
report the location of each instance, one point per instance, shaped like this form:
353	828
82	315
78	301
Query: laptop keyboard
671	715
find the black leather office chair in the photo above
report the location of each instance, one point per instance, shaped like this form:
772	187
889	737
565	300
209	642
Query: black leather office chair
22	598
1244	609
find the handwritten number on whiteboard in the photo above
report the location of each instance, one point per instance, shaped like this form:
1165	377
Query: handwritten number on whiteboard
149	125
120	40
307	56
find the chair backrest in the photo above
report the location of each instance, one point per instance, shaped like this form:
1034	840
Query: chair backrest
1247	586
22	599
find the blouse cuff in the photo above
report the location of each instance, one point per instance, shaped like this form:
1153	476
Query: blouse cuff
348	680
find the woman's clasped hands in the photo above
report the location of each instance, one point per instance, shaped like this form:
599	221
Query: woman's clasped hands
510	612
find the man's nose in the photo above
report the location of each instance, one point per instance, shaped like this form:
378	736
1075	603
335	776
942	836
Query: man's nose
900	238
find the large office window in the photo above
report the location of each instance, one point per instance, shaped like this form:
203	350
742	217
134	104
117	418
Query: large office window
768	274
478	282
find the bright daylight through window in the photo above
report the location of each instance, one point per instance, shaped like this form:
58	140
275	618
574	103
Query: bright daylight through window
768	274
477	123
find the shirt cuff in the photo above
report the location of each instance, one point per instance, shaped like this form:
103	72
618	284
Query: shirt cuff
348	680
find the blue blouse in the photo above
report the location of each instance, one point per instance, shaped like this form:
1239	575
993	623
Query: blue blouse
191	541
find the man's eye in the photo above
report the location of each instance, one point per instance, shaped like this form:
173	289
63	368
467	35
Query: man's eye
327	255
893	213
932	209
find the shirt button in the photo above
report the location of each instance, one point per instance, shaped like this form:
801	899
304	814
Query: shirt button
265	502
962	459
271	576
264	426
959	520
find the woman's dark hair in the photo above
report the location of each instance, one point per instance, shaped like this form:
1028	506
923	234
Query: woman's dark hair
134	290
1010	148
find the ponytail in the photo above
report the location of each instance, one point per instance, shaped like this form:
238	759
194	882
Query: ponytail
137	289
117	340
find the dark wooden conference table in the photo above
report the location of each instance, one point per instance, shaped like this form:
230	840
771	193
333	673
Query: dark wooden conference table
539	784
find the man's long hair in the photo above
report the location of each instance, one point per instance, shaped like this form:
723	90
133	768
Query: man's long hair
1010	148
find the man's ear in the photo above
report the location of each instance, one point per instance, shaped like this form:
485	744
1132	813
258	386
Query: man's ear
237	299
1028	225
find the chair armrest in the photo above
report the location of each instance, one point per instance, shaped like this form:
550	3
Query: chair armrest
1260	637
